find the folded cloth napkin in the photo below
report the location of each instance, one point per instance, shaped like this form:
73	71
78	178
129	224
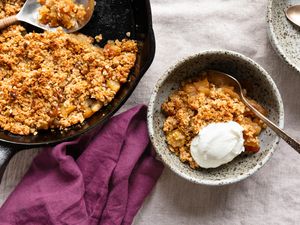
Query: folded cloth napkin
106	184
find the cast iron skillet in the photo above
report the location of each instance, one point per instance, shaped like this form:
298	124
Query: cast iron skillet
113	19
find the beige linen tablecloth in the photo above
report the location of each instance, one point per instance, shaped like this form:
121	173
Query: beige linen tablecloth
272	195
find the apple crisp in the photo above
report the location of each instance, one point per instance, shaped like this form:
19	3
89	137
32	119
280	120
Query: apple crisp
55	80
198	103
65	13
10	7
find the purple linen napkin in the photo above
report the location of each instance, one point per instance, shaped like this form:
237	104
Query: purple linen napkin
107	184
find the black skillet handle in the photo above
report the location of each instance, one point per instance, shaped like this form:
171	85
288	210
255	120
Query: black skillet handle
7	151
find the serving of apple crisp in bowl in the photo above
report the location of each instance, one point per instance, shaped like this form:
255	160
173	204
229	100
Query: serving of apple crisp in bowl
204	132
199	103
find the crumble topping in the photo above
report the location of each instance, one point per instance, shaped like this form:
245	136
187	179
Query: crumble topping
55	80
198	103
65	13
10	7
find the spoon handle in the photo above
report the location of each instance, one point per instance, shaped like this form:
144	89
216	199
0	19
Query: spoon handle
5	22
291	141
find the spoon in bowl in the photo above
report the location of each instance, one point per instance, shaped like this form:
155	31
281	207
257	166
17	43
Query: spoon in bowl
220	79
293	14
30	14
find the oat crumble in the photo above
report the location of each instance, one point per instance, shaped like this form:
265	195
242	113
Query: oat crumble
198	103
55	80
65	13
10	7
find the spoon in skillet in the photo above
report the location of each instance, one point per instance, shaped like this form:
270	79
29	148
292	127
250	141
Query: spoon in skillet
220	79
293	14
30	14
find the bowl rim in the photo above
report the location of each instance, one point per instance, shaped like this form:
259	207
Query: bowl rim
151	125
274	40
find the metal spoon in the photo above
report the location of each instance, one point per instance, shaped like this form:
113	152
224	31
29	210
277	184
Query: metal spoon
30	13
220	79
293	14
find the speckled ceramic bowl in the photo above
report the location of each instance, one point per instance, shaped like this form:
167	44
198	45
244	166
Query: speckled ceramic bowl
259	85
284	35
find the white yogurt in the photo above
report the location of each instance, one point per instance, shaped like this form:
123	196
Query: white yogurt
217	144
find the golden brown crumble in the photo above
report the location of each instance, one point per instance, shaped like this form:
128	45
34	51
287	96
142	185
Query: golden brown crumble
55	80
10	7
65	13
198	103
99	38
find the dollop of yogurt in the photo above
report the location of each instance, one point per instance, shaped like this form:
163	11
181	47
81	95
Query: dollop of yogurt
217	144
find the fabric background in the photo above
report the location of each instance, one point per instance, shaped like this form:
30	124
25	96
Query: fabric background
271	196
